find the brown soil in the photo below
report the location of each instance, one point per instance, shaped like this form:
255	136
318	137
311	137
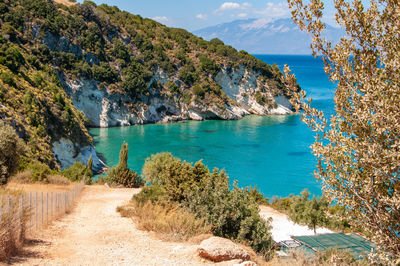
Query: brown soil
95	234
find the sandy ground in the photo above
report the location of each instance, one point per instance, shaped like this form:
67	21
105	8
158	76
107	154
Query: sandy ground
283	228
95	234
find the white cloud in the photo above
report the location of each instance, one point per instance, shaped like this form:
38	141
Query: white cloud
229	6
233	6
246	9
202	16
274	10
161	19
246	5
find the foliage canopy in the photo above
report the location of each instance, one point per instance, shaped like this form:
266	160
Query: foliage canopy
358	148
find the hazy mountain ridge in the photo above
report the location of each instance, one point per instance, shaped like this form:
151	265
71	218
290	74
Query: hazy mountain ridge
265	36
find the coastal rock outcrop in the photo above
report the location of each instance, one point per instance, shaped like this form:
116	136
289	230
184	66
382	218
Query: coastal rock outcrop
67	153
105	109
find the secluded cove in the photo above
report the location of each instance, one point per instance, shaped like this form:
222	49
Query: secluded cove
271	152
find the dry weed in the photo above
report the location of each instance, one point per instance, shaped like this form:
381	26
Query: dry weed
171	222
13	221
58	180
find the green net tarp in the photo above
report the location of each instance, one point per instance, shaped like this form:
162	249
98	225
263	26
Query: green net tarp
357	245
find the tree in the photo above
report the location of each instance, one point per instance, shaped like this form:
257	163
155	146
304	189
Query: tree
121	175
11	149
314	213
89	172
358	148
123	157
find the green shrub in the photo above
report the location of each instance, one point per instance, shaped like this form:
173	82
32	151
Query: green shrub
154	193
188	74
76	172
198	90
260	98
175	176
172	87
8	79
104	72
208	65
216	42
233	213
126	178
39	170
135	78
258	196
11	149
14	58
155	166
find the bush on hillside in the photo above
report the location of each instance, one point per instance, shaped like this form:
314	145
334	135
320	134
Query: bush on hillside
155	165
188	74
11	149
75	172
39	170
233	213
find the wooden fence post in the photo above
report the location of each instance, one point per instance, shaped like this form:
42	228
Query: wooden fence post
36	210
30	212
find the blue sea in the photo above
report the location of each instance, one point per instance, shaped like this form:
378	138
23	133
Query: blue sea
271	152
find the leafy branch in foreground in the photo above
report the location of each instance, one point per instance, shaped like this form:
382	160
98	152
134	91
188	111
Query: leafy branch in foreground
358	148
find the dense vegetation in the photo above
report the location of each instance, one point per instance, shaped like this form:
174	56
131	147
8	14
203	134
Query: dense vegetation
43	43
232	213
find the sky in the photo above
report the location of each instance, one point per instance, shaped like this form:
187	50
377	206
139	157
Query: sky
194	15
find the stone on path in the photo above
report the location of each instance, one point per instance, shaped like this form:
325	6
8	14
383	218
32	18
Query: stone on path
220	249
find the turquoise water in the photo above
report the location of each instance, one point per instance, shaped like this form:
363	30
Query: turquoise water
270	152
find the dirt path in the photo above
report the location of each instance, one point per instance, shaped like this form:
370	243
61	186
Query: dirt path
95	234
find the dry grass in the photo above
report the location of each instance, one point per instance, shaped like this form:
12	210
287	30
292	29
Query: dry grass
64	2
26	178
58	180
171	223
23	181
12	224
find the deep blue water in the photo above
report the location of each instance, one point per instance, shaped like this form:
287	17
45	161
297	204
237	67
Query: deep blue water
270	152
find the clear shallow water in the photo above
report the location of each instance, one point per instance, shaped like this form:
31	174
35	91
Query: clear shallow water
270	152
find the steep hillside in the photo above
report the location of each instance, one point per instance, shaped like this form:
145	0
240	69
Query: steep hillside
266	36
67	66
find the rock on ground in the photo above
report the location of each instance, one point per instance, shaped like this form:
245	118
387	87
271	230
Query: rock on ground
220	249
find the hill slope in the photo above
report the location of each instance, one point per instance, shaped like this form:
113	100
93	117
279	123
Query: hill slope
265	36
65	67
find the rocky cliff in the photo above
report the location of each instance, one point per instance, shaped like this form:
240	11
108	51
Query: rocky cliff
80	65
105	109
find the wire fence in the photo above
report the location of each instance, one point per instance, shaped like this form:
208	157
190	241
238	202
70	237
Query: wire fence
37	209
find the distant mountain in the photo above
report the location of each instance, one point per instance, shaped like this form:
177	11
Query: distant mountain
265	36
